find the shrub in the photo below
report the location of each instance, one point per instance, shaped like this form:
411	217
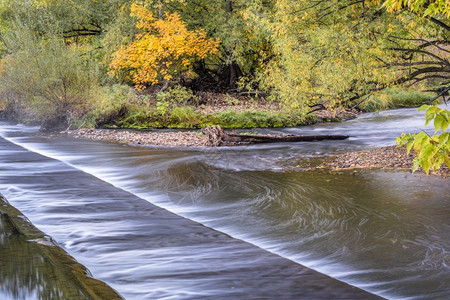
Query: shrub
140	117
174	96
48	81
111	103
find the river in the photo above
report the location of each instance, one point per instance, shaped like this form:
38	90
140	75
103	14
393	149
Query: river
385	232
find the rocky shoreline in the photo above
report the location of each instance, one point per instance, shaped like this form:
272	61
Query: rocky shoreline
390	158
136	138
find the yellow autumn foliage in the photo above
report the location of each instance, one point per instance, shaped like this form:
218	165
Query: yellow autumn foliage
425	8
162	50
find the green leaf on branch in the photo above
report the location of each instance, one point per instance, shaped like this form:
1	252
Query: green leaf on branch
432	152
423	107
438	120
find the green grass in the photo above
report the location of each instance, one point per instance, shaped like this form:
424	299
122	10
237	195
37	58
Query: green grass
186	117
256	119
395	98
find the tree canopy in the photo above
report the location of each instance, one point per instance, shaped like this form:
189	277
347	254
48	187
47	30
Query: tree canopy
306	54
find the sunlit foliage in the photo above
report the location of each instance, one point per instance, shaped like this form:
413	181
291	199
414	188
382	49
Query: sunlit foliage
423	7
162	50
432	151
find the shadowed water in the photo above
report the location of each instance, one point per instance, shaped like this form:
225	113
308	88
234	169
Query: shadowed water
386	232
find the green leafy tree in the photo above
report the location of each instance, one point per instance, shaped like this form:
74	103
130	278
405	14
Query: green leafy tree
426	8
336	53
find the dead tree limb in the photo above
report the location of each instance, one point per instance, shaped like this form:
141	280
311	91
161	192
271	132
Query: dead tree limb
217	137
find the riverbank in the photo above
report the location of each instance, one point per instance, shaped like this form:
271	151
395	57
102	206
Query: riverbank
182	138
136	138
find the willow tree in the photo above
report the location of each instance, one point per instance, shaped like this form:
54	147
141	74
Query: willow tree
427	54
70	19
335	53
432	151
49	69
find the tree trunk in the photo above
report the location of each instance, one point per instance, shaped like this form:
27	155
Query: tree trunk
160	14
234	70
229	8
256	139
235	74
217	137
165	86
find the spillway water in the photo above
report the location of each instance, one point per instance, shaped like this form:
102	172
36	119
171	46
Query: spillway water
385	232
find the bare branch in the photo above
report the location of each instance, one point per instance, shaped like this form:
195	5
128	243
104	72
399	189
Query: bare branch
440	23
423	52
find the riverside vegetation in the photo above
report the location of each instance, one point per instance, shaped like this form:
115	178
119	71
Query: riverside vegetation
233	63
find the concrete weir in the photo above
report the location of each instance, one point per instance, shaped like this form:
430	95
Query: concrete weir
228	268
39	266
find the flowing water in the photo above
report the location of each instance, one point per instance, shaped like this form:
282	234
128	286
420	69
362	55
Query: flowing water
384	232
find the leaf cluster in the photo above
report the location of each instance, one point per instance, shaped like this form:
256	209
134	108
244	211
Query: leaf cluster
426	8
432	151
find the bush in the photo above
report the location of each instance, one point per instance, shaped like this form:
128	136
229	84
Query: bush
110	104
140	117
174	96
47	81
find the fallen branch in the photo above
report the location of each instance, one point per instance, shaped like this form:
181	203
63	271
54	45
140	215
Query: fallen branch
217	137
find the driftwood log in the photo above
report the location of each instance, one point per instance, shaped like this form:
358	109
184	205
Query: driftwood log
217	137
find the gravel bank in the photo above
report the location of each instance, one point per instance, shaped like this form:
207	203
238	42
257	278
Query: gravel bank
160	138
390	158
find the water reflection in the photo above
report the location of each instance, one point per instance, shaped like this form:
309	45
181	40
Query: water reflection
146	252
26	273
